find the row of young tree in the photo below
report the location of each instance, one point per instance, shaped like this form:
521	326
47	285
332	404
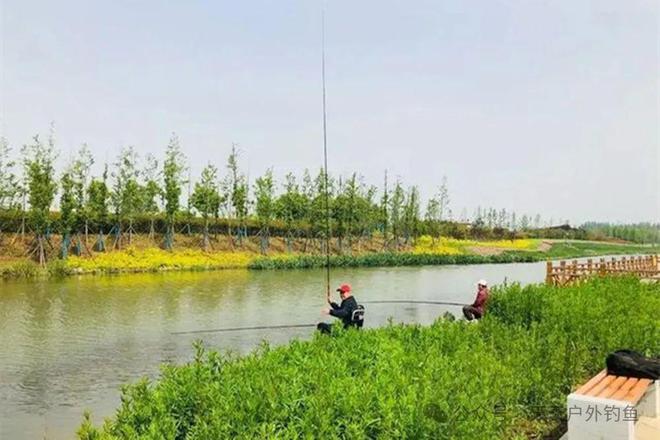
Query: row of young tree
636	233
130	189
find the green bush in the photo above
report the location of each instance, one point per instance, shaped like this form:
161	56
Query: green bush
390	259
506	377
21	269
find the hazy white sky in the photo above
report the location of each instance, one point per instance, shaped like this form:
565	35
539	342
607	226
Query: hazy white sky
537	106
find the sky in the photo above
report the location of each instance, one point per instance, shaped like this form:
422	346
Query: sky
533	106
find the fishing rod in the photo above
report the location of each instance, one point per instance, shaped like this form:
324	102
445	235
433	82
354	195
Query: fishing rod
237	329
287	326
325	159
404	301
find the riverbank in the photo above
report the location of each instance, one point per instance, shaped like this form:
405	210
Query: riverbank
506	377
425	252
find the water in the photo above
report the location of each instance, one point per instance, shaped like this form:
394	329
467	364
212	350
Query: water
67	346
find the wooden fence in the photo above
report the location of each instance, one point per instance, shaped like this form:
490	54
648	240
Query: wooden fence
566	273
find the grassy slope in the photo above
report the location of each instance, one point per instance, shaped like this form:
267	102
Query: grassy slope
506	377
189	257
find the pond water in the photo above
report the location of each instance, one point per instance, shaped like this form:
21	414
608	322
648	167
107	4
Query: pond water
68	345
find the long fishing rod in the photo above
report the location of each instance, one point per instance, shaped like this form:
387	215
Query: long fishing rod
404	301
237	329
325	159
287	326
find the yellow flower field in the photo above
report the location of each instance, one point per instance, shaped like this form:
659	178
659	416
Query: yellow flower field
154	259
452	246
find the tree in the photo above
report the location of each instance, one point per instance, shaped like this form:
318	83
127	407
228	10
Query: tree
433	216
8	181
173	168
38	160
264	193
396	212
68	214
384	211
151	191
513	224
291	207
80	175
411	215
237	188
206	199
524	222
443	200
353	195
126	195
321	207
98	195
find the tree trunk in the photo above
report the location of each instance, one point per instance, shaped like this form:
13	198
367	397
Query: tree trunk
206	241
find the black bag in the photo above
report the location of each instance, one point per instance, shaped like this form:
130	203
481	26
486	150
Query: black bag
357	317
632	364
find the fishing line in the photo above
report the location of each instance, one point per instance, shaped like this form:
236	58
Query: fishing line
237	329
402	301
286	326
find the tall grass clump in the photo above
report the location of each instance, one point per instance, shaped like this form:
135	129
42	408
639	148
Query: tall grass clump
20	269
387	259
506	377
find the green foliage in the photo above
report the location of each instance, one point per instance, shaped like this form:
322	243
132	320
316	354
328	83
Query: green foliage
396	207
80	174
98	195
237	187
8	182
21	269
385	259
205	198
38	164
452	380
293	205
411	225
173	168
264	193
68	204
636	233
151	190
126	195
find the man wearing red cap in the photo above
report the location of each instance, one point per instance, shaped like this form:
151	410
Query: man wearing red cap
343	311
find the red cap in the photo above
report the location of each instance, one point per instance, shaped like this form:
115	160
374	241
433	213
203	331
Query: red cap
344	288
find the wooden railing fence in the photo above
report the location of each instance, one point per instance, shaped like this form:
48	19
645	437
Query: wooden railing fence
565	273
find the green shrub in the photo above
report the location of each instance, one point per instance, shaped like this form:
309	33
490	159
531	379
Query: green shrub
390	259
21	269
506	377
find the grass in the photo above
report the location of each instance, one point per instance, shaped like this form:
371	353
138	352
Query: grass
386	259
506	377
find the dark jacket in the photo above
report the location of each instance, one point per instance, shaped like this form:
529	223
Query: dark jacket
345	310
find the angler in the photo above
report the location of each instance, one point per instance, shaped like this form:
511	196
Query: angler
477	309
349	311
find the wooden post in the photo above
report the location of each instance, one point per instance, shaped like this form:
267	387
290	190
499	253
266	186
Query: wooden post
574	270
601	267
590	266
548	273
